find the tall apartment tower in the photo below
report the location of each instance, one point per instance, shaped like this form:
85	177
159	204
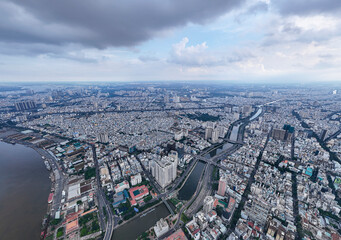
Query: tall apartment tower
165	170
215	136
208	133
103	137
25	105
208	204
222	186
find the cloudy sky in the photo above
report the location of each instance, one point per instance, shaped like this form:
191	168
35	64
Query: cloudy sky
142	40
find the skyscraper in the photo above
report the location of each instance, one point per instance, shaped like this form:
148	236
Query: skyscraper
165	170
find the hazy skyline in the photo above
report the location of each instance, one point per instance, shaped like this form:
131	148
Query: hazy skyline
249	40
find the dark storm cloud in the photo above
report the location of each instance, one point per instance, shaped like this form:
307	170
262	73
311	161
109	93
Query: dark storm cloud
101	23
306	7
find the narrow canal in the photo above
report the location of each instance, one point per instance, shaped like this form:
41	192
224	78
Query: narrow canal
187	191
256	114
234	133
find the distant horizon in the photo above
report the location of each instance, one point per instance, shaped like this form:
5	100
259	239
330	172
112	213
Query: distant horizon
204	82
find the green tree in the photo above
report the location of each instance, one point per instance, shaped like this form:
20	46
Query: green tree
60	232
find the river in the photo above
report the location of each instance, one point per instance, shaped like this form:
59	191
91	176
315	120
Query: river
137	226
24	189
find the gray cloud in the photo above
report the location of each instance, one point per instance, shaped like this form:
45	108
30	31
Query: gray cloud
256	8
194	55
101	23
306	7
200	55
240	56
148	59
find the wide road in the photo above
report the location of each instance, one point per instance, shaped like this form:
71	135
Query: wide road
60	179
103	202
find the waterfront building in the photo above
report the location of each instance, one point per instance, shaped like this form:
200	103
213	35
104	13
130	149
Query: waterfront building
161	227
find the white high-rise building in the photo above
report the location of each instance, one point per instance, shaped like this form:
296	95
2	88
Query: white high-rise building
208	204
161	227
136	179
222	131
165	170
215	135
208	133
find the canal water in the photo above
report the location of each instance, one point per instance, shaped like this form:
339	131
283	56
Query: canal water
218	150
234	133
187	191
256	114
24	189
134	228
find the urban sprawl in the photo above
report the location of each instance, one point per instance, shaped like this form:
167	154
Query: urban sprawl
267	159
